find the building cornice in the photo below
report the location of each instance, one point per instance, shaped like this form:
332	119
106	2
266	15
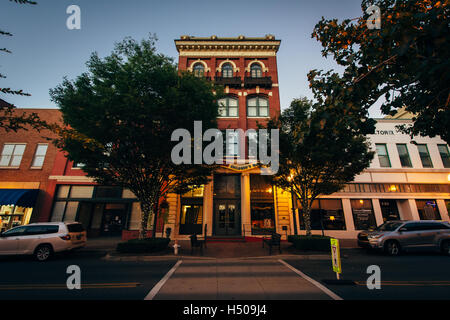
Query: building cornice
218	46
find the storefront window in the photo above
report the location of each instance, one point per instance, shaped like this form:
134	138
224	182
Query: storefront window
81	191
428	210
191	219
108	192
326	214
227	186
191	216
71	211
363	215
101	209
389	209
261	205
58	211
13	216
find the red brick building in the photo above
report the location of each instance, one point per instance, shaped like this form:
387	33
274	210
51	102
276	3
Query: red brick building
237	201
27	158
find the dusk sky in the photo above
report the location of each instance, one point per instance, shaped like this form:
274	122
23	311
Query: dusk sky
45	50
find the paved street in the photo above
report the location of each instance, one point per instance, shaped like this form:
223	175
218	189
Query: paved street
423	276
287	277
23	278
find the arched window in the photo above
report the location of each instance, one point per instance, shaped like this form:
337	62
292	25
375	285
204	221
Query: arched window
228	107
227	70
255	71
257	107
199	70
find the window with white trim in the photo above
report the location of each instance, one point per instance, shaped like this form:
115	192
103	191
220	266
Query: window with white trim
227	70
39	155
199	70
257	107
228	107
255	71
12	154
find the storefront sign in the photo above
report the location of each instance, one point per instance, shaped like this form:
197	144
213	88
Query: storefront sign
240	168
385	132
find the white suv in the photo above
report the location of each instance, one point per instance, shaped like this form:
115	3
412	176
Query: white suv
42	239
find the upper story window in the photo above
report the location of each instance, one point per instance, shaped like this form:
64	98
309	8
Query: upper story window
257	107
227	70
424	156
404	155
383	156
228	107
231	144
12	154
39	156
199	70
255	71
445	156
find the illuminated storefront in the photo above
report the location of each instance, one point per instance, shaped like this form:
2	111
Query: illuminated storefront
16	207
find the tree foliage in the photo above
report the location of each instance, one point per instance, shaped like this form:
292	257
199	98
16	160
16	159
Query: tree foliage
121	115
319	152
405	63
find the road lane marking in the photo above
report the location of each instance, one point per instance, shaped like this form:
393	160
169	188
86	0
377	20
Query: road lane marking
408	283
161	282
64	286
314	282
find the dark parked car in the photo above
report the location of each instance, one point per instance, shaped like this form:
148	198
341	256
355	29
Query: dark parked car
396	236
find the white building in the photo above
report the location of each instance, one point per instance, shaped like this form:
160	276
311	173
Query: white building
408	179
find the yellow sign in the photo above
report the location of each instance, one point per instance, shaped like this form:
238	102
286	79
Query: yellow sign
244	167
335	255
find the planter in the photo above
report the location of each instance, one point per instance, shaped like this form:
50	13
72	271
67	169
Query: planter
312	243
148	245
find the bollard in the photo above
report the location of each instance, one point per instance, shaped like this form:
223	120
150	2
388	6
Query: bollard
175	247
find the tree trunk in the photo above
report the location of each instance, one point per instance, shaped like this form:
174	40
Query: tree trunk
147	211
155	218
307	217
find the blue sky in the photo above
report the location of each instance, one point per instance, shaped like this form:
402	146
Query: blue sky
44	50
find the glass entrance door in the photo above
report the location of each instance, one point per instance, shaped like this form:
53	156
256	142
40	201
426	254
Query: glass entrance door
114	217
227	218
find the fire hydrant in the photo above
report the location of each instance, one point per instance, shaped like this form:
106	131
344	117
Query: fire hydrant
175	247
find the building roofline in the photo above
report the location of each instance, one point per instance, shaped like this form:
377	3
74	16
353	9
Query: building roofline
266	45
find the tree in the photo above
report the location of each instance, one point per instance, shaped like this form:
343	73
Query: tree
121	115
9	117
406	62
319	152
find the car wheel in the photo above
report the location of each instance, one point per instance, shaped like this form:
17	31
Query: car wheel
445	248
43	252
392	248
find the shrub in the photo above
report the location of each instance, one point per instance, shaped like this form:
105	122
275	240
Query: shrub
143	245
313	242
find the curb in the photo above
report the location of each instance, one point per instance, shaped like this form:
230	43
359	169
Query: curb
110	257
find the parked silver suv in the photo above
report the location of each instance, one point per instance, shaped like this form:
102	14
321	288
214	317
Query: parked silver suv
42	239
396	236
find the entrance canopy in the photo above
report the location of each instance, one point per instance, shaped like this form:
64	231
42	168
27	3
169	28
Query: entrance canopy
18	197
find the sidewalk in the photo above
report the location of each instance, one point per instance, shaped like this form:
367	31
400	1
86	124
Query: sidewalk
214	250
237	279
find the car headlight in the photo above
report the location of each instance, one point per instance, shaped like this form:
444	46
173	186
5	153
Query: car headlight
375	236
